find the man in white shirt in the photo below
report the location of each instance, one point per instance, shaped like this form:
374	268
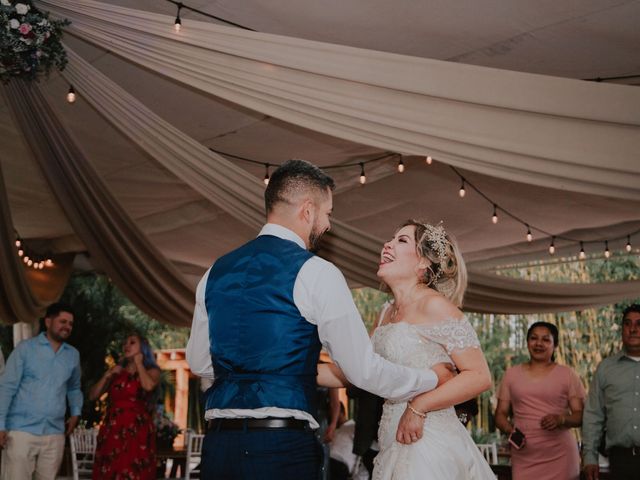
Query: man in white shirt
262	314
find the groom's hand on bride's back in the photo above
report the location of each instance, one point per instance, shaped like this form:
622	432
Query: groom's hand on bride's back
445	372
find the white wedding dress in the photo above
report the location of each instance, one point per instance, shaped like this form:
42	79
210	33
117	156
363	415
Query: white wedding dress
446	451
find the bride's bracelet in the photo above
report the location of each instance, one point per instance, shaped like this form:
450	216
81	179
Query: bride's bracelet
416	412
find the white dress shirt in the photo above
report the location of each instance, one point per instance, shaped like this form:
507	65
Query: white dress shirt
323	298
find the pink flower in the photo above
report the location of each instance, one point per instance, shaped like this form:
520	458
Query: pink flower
24	28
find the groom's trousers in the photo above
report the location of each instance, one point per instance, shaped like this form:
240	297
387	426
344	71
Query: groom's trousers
270	454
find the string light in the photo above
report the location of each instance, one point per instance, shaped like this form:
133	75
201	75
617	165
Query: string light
582	255
429	160
464	183
363	177
177	25
35	261
71	94
181	5
607	253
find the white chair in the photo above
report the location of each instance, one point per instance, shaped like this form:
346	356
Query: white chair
489	451
83	449
194	454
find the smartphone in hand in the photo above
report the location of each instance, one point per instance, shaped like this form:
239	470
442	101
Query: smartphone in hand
516	438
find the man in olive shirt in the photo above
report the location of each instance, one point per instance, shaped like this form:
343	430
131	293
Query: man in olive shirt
614	406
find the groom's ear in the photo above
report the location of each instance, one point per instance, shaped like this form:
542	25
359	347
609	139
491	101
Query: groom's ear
307	210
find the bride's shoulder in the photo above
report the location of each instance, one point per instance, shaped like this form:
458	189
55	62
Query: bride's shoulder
436	309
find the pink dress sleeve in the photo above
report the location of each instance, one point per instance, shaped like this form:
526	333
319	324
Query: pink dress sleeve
576	389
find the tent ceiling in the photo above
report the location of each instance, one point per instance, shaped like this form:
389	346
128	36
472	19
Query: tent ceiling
576	39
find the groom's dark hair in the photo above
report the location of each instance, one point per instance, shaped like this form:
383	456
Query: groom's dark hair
294	177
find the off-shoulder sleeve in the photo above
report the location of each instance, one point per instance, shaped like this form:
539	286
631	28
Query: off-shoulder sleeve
452	334
576	389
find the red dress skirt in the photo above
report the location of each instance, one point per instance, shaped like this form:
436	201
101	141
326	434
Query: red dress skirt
126	448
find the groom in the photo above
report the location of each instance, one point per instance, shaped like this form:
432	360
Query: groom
262	314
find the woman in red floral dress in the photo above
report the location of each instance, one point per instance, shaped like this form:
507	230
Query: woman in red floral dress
127	439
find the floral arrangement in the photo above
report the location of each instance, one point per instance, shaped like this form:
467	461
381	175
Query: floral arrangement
30	43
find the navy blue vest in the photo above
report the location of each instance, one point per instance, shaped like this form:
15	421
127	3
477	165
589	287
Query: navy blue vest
264	352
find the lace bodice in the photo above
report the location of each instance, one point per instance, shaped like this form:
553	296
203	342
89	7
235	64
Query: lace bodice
421	346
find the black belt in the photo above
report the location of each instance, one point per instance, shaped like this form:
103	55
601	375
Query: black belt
628	451
256	424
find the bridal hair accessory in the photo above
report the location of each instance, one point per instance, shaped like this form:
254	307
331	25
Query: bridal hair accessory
437	237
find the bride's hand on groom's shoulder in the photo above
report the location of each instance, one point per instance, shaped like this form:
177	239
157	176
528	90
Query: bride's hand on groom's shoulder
410	427
445	372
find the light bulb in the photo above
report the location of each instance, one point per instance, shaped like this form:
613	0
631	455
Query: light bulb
48	262
266	174
177	25
529	235
30	262
582	255
41	265
429	160
71	95
20	252
462	191
628	247
400	166
25	259
607	253
552	247
494	219
363	177
18	243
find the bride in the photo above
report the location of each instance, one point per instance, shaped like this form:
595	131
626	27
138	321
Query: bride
424	439
423	326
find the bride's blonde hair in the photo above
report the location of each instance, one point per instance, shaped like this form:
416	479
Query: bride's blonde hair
447	272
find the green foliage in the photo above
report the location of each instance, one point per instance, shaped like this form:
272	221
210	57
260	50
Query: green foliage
369	302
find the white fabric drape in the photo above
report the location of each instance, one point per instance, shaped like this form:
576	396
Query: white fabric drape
240	194
115	243
555	132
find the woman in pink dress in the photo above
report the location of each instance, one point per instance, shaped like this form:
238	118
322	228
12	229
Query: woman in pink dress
544	400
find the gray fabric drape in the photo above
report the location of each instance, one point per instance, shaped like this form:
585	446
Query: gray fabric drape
530	128
115	244
488	293
240	194
17	302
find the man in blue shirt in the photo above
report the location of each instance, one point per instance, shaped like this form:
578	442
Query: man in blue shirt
41	374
